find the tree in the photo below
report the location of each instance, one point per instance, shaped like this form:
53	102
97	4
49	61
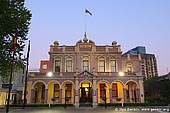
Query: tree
53	99
157	90
151	87
165	90
14	21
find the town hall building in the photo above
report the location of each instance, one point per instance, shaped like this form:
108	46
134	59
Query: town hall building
86	73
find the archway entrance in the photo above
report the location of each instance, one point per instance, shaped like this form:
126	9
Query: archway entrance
86	93
67	92
39	95
103	92
132	92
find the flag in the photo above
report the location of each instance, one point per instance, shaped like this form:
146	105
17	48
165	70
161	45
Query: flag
15	43
28	50
87	11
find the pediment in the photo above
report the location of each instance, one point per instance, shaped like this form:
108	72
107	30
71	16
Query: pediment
86	73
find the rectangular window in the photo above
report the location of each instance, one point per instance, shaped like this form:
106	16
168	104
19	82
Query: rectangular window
57	65
102	90
85	65
114	90
69	66
68	90
113	65
44	66
56	90
101	66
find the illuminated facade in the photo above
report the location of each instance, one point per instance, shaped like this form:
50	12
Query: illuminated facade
87	74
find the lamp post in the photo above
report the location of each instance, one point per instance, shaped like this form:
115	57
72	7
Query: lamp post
65	97
50	74
25	87
26	77
10	83
105	105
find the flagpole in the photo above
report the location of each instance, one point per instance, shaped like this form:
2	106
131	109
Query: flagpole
86	11
26	77
85	21
11	73
10	83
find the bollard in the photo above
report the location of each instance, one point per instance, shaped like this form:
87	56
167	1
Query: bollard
122	104
49	105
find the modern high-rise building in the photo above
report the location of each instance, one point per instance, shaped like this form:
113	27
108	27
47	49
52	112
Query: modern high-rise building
149	66
137	50
148	62
86	73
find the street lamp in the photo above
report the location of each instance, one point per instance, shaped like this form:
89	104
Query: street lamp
85	73
65	97
105	96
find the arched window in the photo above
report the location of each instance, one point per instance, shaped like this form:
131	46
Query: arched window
129	67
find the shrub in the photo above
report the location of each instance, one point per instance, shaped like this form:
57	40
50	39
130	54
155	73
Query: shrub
118	99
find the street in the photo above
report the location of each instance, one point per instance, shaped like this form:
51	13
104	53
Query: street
90	110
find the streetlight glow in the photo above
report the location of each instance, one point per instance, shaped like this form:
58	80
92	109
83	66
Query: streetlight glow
121	73
49	74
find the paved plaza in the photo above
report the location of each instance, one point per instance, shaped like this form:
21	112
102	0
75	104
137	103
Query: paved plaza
90	110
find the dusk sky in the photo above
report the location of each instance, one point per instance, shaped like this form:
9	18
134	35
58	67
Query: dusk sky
129	22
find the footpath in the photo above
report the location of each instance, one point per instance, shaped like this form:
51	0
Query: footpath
160	109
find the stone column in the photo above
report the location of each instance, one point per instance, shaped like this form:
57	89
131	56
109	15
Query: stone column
97	95
125	97
32	96
29	93
46	96
77	91
73	95
60	96
111	95
94	92
138	94
141	96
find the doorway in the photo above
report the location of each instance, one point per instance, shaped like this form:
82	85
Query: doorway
86	93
